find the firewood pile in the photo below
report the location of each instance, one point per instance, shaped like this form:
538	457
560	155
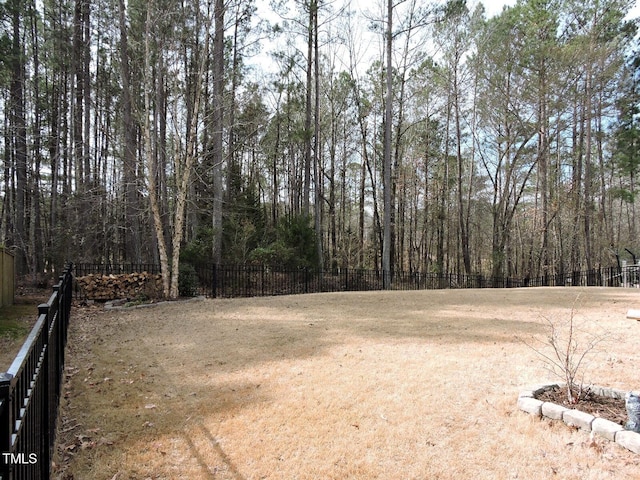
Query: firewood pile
112	287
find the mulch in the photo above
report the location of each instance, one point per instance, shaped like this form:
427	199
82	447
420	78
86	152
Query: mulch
609	408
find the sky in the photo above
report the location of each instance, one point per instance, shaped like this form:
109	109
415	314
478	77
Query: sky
492	8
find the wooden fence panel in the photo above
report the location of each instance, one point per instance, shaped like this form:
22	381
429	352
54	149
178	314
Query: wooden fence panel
7	277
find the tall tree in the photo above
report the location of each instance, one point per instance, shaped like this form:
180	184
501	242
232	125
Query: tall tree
184	160
386	162
130	147
217	151
18	132
506	158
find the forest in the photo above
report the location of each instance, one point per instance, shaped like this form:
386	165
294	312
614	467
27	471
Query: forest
402	136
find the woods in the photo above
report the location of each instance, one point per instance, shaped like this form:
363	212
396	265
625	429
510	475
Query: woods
402	136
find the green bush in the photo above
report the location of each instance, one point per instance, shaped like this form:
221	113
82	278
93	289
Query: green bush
198	249
275	253
292	246
187	280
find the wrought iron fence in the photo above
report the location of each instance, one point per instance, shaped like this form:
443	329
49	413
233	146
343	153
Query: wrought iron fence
229	281
245	281
30	390
250	280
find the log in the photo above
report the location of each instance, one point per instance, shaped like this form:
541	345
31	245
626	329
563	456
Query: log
111	287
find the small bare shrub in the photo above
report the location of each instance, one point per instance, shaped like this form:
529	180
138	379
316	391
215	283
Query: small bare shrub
566	350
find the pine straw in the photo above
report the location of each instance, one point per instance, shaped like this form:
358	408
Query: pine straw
353	385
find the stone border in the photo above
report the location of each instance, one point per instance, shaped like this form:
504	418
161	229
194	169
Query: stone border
614	432
121	304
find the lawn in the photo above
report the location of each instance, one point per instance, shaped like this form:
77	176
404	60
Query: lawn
392	385
15	323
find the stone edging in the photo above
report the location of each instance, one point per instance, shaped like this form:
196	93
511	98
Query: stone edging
612	431
120	304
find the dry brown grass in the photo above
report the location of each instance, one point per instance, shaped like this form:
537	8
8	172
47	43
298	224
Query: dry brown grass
392	385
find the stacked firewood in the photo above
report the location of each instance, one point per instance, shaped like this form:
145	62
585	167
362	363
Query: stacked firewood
111	287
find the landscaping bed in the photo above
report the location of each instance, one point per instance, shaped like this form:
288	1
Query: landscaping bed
602	412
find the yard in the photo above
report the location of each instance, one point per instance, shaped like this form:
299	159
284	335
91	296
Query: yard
392	385
15	323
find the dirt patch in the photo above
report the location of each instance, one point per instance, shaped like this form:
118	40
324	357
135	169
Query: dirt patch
613	409
351	385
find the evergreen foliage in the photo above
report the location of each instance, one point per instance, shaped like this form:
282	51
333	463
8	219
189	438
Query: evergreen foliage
291	244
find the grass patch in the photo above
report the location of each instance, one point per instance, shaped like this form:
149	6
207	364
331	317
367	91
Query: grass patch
15	320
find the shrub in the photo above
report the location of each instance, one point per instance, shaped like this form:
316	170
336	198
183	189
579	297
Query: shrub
566	350
293	245
187	280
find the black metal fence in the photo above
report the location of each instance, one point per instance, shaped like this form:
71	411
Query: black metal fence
229	281
248	280
30	390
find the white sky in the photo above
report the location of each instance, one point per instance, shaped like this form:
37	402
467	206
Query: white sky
492	8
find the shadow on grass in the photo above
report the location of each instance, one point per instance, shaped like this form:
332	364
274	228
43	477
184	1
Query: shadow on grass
219	452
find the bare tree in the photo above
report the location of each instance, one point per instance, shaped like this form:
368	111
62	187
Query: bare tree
184	160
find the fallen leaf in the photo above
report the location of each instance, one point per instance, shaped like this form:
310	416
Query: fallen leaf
104	441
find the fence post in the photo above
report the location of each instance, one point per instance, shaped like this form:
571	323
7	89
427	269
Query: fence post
214	281
5	421
65	297
49	406
306	279
68	298
245	280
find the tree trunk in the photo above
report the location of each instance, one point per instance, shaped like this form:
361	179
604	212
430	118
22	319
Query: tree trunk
18	126
462	217
132	232
386	166
316	141
152	158
588	176
217	126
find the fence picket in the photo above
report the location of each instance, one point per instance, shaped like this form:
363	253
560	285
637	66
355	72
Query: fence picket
30	390
266	280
